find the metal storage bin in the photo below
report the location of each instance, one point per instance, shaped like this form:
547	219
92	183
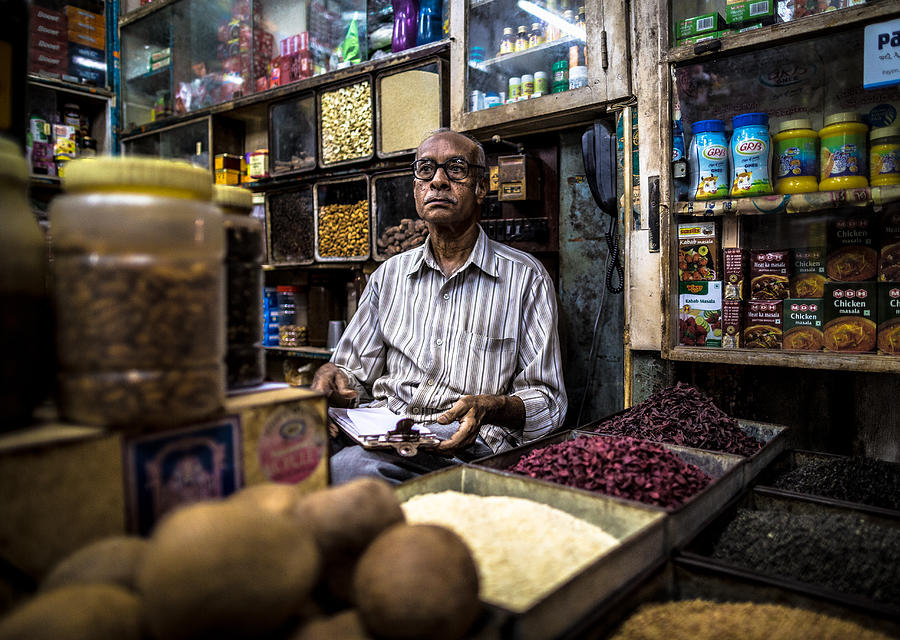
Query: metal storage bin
346	123
292	135
393	203
683	521
638	528
404	122
342	219
290	226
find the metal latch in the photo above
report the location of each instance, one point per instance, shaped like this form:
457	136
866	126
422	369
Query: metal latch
404	439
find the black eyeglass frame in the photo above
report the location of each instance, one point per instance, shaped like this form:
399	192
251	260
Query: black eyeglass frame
443	165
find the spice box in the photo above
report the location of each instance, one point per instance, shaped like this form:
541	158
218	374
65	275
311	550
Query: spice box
837	554
290	225
865	484
638	528
342	219
685	579
402	123
685	520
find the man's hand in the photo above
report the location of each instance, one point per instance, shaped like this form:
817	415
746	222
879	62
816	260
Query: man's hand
334	384
473	411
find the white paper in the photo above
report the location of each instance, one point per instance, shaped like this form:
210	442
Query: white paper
369	421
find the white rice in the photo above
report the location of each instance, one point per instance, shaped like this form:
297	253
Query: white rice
523	549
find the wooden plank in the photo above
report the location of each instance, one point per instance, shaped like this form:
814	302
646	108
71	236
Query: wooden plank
826	361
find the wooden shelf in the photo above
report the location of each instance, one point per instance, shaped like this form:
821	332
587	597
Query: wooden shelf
814	25
795	203
88	91
316	353
869	362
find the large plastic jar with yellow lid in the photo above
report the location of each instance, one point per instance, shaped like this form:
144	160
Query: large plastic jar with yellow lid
842	152
139	293
244	246
796	144
884	157
26	340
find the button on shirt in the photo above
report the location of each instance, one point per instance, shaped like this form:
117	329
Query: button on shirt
420	340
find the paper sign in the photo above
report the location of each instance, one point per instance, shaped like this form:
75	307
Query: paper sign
882	55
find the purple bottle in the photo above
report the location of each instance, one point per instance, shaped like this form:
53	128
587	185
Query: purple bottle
405	22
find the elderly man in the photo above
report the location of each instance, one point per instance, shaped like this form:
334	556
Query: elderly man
459	332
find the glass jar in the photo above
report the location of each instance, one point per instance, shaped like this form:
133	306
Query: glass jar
244	357
536	37
292	325
25	314
139	293
842	152
795	157
884	157
507	42
521	38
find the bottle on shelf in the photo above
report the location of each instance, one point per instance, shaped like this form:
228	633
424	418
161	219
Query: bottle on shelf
536	37
430	22
405	18
521	38
795	157
842	154
551	31
884	159
508	42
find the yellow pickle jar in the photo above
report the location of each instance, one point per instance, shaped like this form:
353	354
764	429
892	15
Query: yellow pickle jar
884	157
139	293
842	152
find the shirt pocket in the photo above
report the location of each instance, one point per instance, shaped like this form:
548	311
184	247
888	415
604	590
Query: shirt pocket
488	364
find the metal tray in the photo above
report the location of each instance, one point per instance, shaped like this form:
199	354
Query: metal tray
689	578
793	458
700	547
639	529
683	521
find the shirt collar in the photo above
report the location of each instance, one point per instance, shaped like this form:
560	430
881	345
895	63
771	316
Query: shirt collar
482	256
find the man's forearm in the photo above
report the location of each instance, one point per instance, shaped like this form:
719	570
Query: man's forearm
505	411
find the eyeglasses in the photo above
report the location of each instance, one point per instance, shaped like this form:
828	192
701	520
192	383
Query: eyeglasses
457	169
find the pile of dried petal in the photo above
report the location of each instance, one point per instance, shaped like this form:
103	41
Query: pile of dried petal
621	467
682	415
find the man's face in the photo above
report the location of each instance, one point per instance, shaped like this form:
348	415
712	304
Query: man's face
441	201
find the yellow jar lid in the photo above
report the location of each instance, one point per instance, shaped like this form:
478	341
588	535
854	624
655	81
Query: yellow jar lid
12	162
843	116
156	176
799	123
886	132
233	197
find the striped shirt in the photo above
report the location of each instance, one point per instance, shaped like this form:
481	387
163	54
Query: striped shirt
420	340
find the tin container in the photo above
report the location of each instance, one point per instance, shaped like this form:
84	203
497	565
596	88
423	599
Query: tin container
639	529
342	191
400	130
699	549
684	521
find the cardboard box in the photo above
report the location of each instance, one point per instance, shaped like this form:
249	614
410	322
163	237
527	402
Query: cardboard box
763	323
46	17
808	272
80	15
803	322
700	38
227	161
852	249
87	40
735	263
698	251
53	48
228	176
737	11
769	271
889	256
57	473
850	317
43	59
49	32
732	321
888	340
700	314
699	25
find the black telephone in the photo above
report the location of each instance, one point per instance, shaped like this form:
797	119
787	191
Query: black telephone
598	148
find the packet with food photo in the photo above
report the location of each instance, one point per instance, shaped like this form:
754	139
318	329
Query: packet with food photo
762	324
803	324
852	254
850	317
734	273
698	251
889	261
889	318
731	324
808	272
700	314
769	271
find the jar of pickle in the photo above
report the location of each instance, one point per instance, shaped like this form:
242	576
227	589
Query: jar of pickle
139	293
244	358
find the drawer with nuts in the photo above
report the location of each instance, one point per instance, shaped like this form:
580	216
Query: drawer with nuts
396	225
346	126
400	237
342	220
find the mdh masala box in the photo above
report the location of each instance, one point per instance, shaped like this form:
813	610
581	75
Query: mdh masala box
889	318
808	272
762	324
769	275
802	325
850	316
889	259
852	249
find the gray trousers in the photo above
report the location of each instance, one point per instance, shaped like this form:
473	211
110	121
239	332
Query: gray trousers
350	461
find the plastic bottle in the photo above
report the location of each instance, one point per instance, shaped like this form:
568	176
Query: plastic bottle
430	22
244	247
708	160
560	79
578	77
551	31
25	313
536	37
515	88
842	152
406	13
885	156
795	157
751	155
677	141
521	38
541	83
508	42
139	293
527	86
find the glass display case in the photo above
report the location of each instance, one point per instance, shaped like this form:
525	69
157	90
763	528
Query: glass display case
785	192
401	127
342	219
396	226
292	135
290	224
189	141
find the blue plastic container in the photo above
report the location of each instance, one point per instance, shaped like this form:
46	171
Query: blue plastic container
750	153
431	22
708	160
